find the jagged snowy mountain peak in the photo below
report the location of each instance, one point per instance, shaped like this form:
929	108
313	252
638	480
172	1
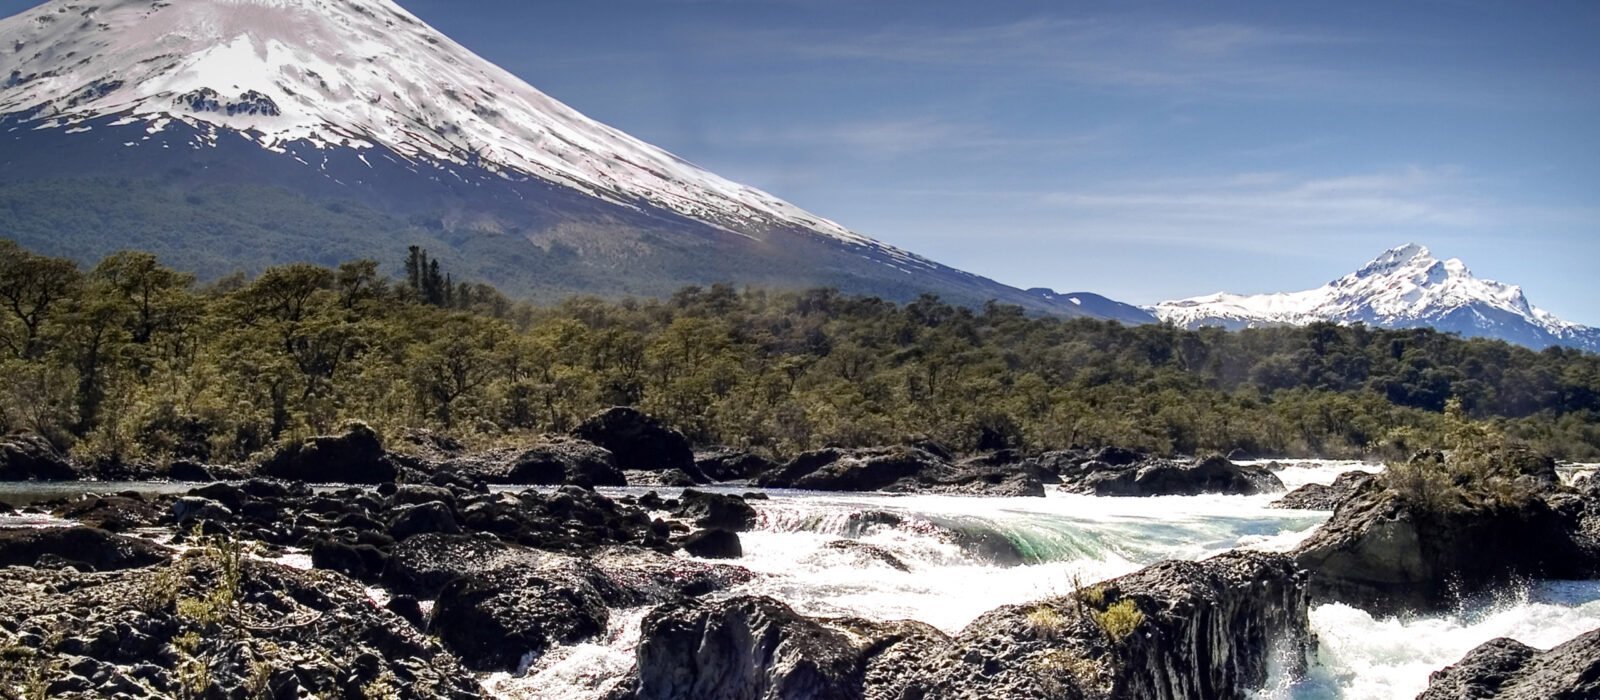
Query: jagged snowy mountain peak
1404	287
352	74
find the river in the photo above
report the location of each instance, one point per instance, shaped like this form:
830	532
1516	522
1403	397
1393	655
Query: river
949	574
945	560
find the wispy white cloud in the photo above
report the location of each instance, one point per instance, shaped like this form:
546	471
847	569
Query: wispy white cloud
903	136
1250	205
1126	52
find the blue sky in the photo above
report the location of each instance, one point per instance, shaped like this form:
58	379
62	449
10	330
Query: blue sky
1143	150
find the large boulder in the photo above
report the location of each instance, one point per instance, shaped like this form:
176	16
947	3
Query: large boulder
713	544
1392	551
356	457
837	469
716	510
566	462
30	457
492	619
731	465
756	647
430	517
82	547
289	634
1160	477
1325	496
639	441
1173	631
1505	669
117	513
902	468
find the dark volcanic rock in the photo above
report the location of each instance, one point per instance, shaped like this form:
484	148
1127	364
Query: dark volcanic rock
184	470
86	548
1505	669
1325	496
744	648
1386	553
362	562
667	478
713	544
1202	630
868	552
356	457
429	517
566	462
639	441
836	469
290	633
492	619
30	457
715	510
1166	478
424	564
1196	630
119	513
901	469
732	465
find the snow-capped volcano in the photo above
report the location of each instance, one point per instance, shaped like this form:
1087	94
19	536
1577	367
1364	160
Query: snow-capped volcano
1406	287
349	74
360	100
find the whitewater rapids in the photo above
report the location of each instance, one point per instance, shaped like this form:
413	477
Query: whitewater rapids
945	560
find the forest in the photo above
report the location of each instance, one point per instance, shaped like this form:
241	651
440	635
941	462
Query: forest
131	360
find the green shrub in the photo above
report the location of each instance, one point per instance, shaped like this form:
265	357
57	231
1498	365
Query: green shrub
1120	620
1045	622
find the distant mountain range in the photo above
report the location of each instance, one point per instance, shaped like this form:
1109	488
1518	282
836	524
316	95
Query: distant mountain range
228	135
235	134
1404	288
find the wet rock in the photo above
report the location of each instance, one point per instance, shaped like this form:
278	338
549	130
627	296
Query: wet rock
1505	669
314	634
713	544
424	564
409	609
492	619
566	462
30	457
356	457
1159	477
119	513
744	648
430	517
732	465
639	441
869	552
85	548
1173	631
362	562
190	509
666	478
899	469
1391	553
419	494
184	470
715	510
636	577
1324	496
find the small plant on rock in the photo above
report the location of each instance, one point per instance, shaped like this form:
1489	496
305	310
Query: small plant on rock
1120	620
384	687
1045	622
25	673
1057	668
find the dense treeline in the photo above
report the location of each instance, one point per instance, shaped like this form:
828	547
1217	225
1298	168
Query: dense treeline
133	360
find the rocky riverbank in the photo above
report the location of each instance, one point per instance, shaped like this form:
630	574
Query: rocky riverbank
425	581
